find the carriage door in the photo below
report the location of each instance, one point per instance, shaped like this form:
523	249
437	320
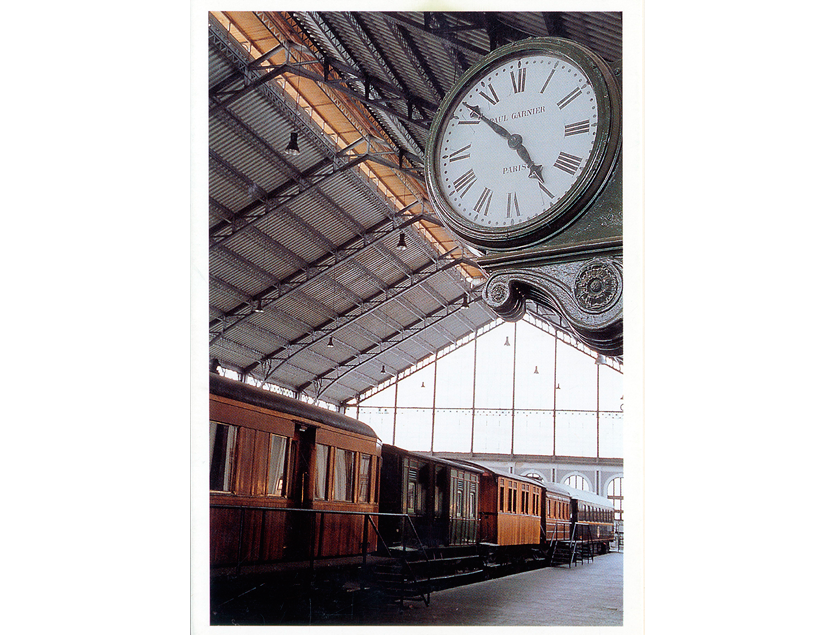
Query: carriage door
302	491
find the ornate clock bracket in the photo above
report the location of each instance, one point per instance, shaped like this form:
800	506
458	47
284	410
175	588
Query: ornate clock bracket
587	294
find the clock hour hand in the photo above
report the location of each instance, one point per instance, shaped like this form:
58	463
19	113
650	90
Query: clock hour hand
515	141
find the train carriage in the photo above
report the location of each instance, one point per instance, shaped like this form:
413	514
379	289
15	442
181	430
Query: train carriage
557	512
277	465
592	518
441	498
510	509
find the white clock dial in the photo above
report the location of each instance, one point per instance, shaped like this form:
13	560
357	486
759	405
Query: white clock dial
516	141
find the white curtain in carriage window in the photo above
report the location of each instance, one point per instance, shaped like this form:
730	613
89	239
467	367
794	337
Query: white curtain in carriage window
277	464
321	481
363	478
222	444
343	486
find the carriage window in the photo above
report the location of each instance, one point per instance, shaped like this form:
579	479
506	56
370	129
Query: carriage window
501	498
415	483
511	498
440	483
343	484
321	482
377	463
222	445
364	477
277	465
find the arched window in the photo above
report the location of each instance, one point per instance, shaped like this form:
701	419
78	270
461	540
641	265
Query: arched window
577	481
533	474
615	495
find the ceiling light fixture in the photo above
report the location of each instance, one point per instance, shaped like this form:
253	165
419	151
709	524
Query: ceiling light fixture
330	343
401	243
293	147
507	341
258	308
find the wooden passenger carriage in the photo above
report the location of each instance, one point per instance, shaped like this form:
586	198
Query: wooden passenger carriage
282	474
593	517
441	498
557	512
511	508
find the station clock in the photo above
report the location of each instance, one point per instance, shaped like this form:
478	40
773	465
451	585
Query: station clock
523	143
523	164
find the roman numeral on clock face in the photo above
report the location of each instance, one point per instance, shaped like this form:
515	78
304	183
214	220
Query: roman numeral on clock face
579	127
494	99
457	156
513	202
464	182
567	162
576	92
547	81
519	82
482	206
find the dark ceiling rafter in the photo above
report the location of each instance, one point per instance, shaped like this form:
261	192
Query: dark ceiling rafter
367	307
555	24
457	57
362	86
274	158
310	274
436	26
418	62
408	332
268	203
246	72
381	59
499	32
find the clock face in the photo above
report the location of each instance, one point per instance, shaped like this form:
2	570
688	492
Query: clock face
518	141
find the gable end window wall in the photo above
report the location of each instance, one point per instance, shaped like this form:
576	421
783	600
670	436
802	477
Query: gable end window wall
513	389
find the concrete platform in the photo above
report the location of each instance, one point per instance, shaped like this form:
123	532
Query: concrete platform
589	594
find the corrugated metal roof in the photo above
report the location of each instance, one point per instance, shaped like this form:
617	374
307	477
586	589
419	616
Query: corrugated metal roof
312	238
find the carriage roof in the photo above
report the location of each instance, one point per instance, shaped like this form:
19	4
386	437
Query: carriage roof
239	391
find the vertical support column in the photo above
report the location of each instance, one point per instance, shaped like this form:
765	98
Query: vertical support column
395	411
598	365
473	410
513	395
434	390
555	387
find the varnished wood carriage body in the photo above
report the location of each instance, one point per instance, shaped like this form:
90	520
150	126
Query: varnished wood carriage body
511	508
289	481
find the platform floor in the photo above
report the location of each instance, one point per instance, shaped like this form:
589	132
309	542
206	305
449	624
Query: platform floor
589	594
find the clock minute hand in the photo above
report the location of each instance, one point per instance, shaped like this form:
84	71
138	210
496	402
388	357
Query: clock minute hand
514	141
496	127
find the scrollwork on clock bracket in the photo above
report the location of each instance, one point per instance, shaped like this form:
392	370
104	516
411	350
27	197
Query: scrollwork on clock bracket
588	296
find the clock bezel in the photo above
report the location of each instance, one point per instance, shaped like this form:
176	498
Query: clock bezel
591	181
